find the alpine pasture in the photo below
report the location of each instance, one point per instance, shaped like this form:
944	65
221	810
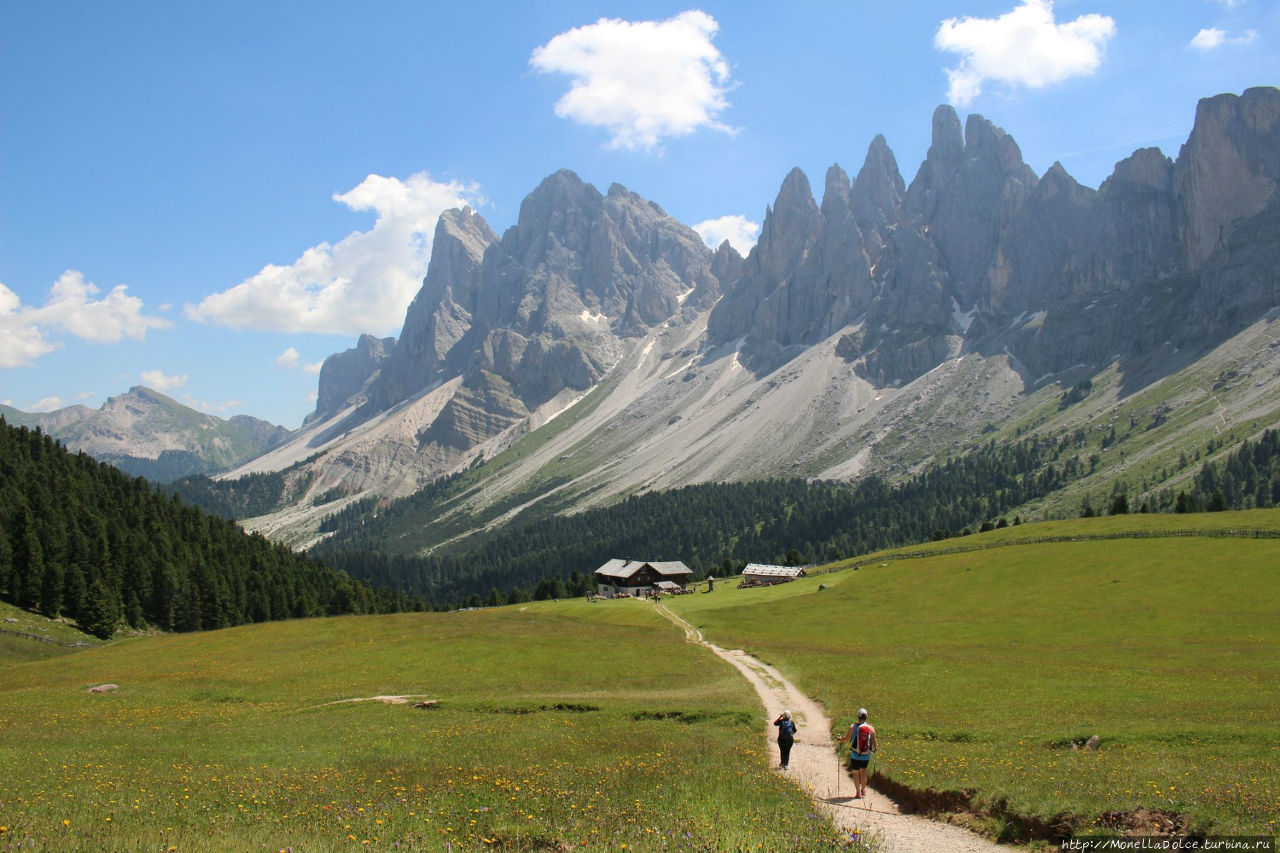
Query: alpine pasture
986	666
560	725
984	661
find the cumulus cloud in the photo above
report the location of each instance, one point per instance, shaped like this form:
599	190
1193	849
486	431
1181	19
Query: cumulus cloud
48	404
1213	38
738	230
21	341
643	81
1026	47
364	283
313	367
159	381
71	308
288	358
209	407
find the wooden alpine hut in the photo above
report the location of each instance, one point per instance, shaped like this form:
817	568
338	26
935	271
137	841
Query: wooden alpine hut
758	574
632	577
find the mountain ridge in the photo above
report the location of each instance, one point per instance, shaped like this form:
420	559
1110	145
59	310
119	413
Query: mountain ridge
976	283
148	434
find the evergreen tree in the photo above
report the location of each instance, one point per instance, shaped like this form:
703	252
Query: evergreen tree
101	611
28	566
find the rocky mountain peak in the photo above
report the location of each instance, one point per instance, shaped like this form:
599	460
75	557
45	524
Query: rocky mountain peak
795	197
556	213
946	151
347	375
985	140
1228	168
726	263
837	192
1146	168
877	193
440	314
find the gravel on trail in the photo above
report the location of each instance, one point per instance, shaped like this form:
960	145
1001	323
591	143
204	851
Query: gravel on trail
816	768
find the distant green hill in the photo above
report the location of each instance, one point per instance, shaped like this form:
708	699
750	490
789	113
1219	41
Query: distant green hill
147	434
81	539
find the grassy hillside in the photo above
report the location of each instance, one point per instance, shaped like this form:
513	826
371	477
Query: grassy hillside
981	667
26	636
563	723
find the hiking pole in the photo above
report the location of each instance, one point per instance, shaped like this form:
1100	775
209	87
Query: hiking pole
866	800
837	770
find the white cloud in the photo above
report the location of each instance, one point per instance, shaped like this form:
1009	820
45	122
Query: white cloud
641	80
70	307
1212	38
21	341
364	283
1208	39
1023	47
208	407
738	230
159	381
290	358
104	321
86	395
48	404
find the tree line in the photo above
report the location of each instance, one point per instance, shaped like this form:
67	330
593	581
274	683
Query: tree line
713	527
719	527
81	539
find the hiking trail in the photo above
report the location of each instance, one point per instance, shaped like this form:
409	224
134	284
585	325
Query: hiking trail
815	767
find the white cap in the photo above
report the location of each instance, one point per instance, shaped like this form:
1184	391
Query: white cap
862	712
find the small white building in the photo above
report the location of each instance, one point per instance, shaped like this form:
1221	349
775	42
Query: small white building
758	574
631	577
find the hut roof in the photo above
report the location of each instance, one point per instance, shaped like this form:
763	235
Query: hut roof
627	568
760	570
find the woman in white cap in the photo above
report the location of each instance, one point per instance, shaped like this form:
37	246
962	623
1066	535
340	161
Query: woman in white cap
786	737
862	742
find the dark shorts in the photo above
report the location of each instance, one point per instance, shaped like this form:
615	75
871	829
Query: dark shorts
859	763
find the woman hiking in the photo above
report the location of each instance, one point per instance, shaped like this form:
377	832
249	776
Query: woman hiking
786	737
862	742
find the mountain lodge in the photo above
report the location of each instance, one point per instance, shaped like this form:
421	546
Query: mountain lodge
631	577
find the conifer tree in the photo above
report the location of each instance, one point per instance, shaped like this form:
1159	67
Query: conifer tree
101	611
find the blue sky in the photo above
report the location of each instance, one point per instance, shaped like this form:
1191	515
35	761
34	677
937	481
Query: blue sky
209	199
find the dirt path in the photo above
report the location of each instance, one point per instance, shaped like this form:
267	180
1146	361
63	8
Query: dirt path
816	769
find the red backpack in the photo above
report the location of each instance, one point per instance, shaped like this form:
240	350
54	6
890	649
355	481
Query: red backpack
862	739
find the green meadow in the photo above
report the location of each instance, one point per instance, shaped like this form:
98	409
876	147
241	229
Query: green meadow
559	726
576	725
983	659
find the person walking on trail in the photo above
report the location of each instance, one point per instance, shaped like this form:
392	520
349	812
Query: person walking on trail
862	743
786	737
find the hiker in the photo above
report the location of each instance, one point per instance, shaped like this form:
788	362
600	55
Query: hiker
862	742
786	736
